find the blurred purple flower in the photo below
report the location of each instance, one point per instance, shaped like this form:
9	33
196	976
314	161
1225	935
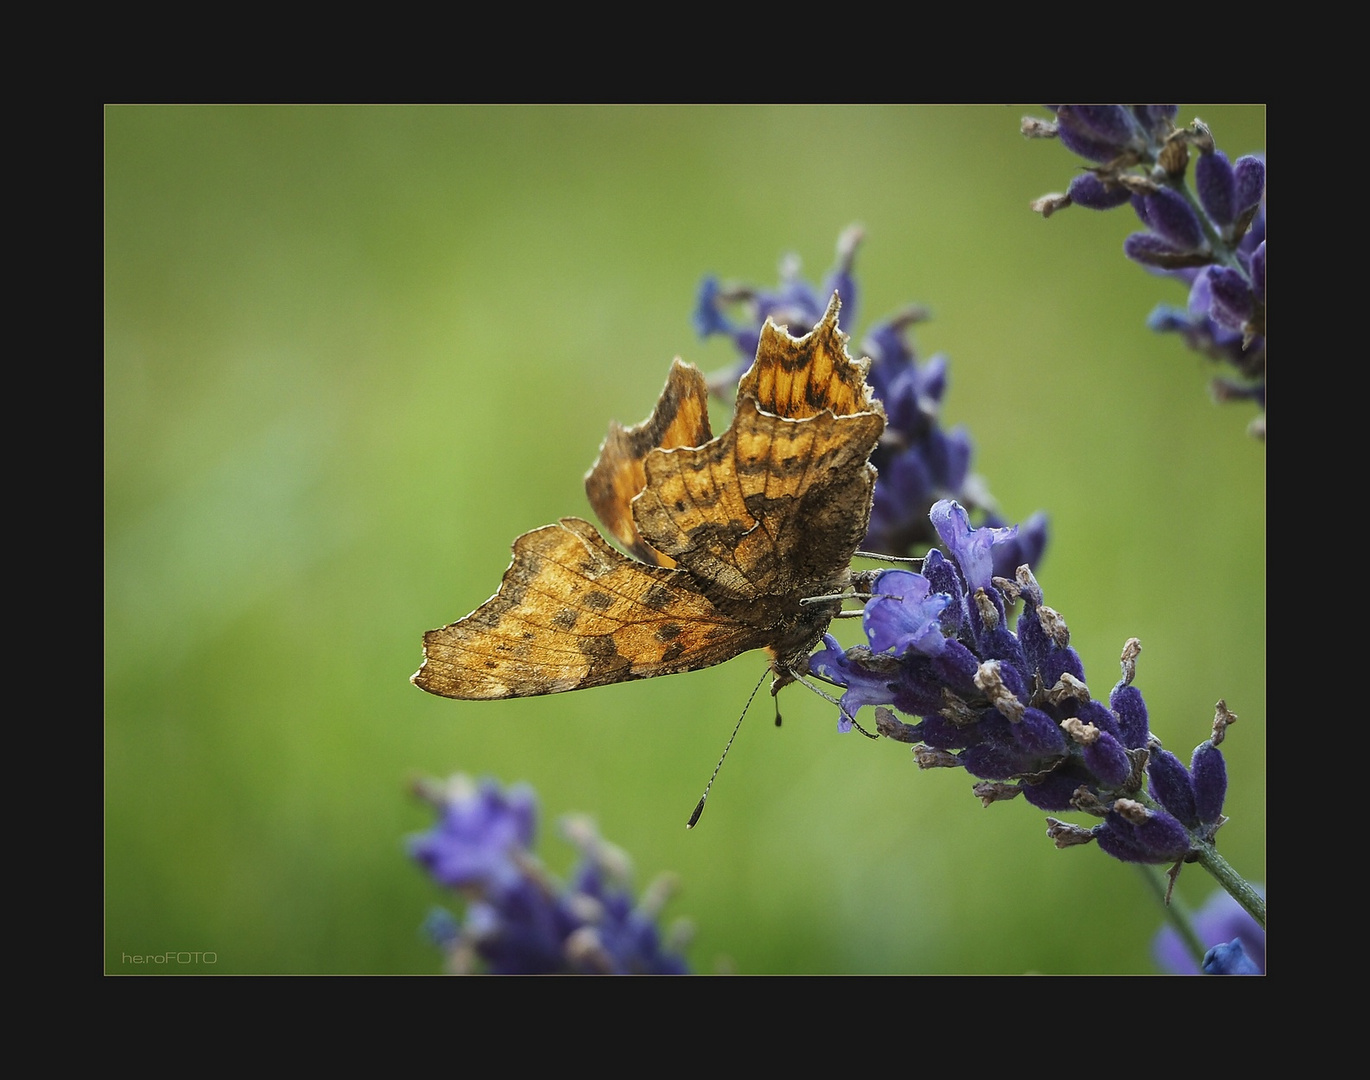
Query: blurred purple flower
479	835
518	920
1218	924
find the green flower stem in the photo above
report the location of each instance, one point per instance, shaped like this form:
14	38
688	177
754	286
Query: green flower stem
1233	882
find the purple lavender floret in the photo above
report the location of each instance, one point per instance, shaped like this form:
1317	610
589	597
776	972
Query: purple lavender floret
518	920
1249	173
866	680
1194	795
1104	756
905	615
917	460
970	547
1009	702
1230	300
1089	191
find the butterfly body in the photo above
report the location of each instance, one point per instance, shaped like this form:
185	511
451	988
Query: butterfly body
731	534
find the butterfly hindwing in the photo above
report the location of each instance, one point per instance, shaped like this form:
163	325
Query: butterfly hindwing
681	418
573	612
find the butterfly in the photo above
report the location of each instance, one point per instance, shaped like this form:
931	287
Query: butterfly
729	535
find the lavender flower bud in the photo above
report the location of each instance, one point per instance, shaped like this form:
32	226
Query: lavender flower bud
1157	120
1171	786
1230	301
1056	791
1217	187
1133	727
1152	250
1134	834
1249	177
1209	772
1098	133
1170	216
1110	122
1103	754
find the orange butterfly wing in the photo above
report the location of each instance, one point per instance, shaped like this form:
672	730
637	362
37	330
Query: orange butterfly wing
681	418
754	522
573	612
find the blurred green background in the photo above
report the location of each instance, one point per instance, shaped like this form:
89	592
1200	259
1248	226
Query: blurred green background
352	353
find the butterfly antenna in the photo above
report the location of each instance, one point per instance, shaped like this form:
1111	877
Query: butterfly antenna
699	808
888	558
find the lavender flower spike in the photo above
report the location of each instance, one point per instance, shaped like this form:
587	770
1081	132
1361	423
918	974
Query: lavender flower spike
518	919
1211	239
1014	709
